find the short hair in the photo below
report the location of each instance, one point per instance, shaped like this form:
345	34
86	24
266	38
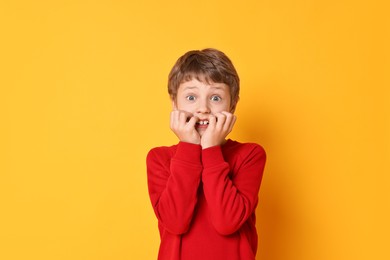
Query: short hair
207	65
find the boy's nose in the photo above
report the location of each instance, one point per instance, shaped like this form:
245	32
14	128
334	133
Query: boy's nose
203	107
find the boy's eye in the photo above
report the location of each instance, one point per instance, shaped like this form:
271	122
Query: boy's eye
216	98
190	98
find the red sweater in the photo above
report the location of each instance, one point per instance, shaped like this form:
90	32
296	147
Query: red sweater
205	200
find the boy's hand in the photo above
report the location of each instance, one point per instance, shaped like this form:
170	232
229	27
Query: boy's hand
220	125
183	125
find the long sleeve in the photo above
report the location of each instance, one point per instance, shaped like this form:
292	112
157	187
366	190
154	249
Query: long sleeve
173	181
232	194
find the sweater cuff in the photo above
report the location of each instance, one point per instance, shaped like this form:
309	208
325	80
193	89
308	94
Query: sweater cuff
212	156
188	152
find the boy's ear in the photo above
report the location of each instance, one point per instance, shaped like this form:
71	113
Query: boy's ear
233	107
174	106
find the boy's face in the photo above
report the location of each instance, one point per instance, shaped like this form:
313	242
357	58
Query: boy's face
202	99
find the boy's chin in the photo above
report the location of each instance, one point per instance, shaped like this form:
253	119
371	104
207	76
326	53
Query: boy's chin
200	131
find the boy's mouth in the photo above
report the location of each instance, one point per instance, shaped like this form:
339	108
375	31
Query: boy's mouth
203	123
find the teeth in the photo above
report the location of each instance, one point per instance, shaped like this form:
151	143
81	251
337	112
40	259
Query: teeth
203	122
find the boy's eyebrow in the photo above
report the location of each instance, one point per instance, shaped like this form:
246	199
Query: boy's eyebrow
190	87
217	87
195	87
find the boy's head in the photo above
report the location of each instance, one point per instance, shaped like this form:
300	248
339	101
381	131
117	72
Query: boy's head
208	66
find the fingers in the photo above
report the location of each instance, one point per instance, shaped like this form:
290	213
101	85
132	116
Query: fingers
182	124
221	118
182	121
212	121
225	121
230	121
220	125
179	117
182	117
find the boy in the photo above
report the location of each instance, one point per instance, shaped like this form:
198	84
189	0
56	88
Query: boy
204	190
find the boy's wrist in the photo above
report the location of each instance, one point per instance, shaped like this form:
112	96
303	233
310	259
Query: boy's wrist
208	144
197	142
212	156
188	152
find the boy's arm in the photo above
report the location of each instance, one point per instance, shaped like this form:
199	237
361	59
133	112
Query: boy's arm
232	201
173	187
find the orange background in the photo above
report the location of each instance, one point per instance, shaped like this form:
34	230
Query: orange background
83	98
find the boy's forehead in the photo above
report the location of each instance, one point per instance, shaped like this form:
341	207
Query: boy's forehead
201	77
195	83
